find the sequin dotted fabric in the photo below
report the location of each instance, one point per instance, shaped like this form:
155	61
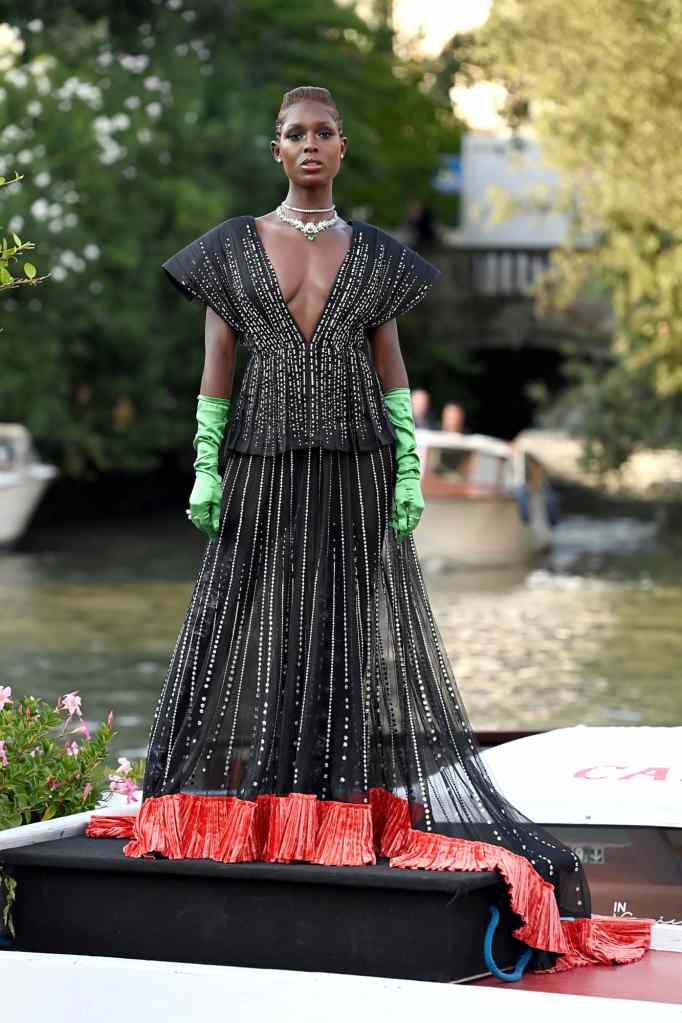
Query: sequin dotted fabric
298	392
310	711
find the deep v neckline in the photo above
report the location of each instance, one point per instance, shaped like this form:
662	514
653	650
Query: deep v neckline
280	294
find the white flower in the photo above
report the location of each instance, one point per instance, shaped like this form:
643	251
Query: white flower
144	135
120	121
40	209
70	220
91	251
24	156
102	125
35	26
152	82
58	273
132	102
43	179
154	109
11	46
15	223
12	133
15	76
136	64
41	65
34	108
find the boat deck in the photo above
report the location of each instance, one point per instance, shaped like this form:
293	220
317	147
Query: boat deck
656	978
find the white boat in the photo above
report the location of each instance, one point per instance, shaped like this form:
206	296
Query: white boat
614	794
23	479
487	503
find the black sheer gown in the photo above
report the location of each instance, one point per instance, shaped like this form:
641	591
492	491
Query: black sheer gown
310	711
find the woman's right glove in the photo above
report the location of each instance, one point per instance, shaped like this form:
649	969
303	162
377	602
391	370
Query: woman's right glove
204	503
408	501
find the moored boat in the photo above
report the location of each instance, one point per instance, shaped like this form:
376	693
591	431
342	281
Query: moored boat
487	503
23	480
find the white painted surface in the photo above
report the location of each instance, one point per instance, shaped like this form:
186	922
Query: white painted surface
667	938
95	989
63	827
594	775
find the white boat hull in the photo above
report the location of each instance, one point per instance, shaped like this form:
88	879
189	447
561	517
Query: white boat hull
20	492
486	531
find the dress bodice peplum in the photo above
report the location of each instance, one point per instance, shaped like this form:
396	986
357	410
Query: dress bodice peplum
296	392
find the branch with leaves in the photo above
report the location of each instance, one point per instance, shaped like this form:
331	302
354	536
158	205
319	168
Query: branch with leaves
10	253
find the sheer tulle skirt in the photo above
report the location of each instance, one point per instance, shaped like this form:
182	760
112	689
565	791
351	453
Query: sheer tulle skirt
310	711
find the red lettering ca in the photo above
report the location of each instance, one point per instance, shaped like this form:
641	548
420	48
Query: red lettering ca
655	773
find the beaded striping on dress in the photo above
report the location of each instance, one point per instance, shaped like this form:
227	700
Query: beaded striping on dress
310	711
299	393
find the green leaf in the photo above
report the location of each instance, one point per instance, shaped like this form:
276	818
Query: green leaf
29	270
17	239
49	813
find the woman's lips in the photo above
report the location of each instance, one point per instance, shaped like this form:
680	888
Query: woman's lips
314	165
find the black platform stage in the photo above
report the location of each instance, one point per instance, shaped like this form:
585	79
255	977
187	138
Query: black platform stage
82	895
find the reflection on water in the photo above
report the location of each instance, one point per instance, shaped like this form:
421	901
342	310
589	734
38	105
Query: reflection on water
589	634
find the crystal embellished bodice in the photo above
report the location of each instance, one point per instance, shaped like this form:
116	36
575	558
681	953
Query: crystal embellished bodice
297	392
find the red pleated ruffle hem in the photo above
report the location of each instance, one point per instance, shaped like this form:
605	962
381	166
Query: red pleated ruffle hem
300	827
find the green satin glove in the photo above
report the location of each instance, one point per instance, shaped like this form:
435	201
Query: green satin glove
408	501
206	497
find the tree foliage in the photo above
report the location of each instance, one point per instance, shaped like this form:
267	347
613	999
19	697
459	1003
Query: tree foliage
140	135
602	85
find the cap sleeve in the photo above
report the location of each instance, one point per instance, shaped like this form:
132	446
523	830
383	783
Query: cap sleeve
405	279
204	270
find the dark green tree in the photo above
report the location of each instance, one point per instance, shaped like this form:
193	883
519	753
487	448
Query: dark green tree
142	126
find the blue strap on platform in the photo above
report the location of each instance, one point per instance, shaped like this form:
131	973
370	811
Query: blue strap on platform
524	958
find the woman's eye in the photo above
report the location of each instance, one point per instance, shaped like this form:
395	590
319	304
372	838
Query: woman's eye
297	134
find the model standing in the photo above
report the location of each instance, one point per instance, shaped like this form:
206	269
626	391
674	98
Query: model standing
310	711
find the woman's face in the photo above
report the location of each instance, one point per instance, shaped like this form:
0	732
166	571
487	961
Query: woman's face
310	145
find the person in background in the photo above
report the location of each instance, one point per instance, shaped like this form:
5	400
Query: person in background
422	225
452	417
421	401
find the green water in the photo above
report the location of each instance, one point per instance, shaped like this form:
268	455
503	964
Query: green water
590	634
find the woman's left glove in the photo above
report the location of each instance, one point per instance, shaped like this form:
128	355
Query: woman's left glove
408	501
213	414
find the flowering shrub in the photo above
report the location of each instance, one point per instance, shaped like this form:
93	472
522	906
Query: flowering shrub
51	764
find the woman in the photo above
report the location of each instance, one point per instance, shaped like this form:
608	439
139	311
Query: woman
310	711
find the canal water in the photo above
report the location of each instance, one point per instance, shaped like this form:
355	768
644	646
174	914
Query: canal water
591	633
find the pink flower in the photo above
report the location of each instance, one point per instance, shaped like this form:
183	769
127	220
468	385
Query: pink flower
126	786
82	730
70	702
5	693
3	754
72	748
52	783
124	766
129	789
87	789
110	718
